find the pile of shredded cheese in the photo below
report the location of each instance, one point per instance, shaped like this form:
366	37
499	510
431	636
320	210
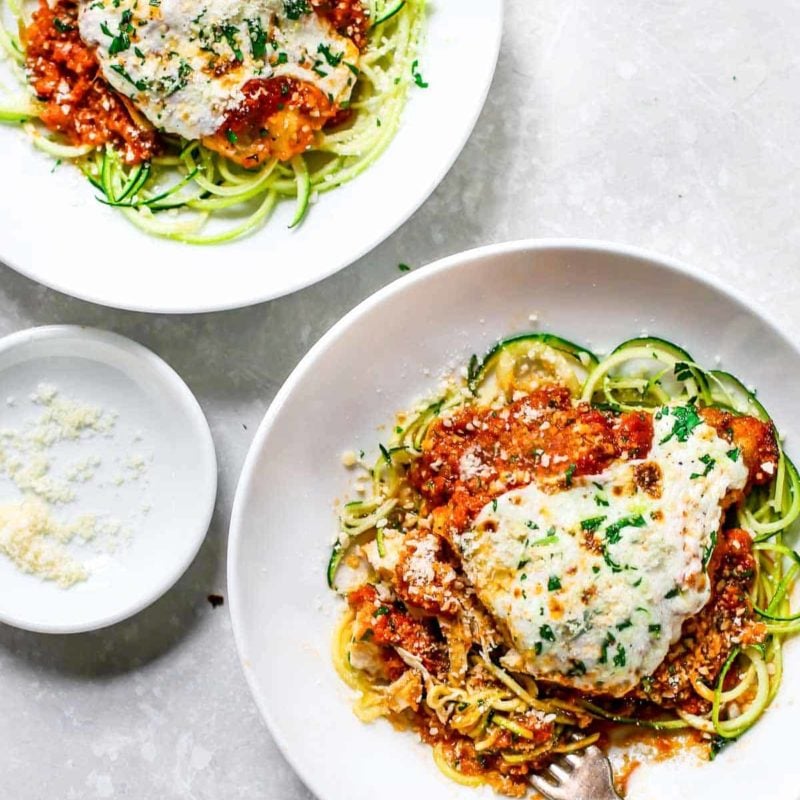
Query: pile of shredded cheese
34	541
31	536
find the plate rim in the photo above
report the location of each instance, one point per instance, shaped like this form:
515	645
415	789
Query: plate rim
199	423
368	246
451	262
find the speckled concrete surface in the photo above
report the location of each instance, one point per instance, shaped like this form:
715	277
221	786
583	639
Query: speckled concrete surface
668	125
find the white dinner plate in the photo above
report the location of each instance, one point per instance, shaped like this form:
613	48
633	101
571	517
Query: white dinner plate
90	250
376	361
148	477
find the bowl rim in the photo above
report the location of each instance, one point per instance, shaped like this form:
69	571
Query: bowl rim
309	360
193	414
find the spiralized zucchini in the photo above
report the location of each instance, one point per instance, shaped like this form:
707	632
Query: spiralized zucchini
189	188
639	374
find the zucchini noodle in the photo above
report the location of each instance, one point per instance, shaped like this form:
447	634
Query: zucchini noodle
189	188
486	701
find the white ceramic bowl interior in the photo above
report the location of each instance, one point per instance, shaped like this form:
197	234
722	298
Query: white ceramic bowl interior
155	474
376	361
115	264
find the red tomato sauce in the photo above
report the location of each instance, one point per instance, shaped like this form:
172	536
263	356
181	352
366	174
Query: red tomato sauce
76	102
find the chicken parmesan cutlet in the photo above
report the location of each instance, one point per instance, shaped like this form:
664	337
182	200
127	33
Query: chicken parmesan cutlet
537	565
253	80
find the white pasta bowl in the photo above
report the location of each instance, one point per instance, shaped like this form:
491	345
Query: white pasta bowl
91	251
378	360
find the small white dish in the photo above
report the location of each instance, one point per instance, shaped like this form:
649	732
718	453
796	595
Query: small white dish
126	268
390	350
151	477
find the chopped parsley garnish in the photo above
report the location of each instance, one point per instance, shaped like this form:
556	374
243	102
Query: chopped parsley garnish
415	74
624	624
577	668
62	27
672	593
352	67
592	524
569	474
494	504
179	82
258	38
686	420
733	454
553	583
333	59
610	561
537	648
141	85
282	58
546	632
296	8
534	527
231	136
600	500
403	267
229	32
380	612
613	531
709	465
609	640
718	744
523	562
709	551
620	657
654	628
122	40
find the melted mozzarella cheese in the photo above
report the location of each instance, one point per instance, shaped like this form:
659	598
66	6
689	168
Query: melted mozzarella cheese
593	583
184	62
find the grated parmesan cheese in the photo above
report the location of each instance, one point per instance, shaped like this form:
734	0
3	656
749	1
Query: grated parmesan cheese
23	453
419	568
470	466
34	541
31	536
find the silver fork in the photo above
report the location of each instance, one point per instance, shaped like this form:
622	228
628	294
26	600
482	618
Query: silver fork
584	776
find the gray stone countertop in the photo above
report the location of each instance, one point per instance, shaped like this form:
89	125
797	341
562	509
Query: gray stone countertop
667	125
